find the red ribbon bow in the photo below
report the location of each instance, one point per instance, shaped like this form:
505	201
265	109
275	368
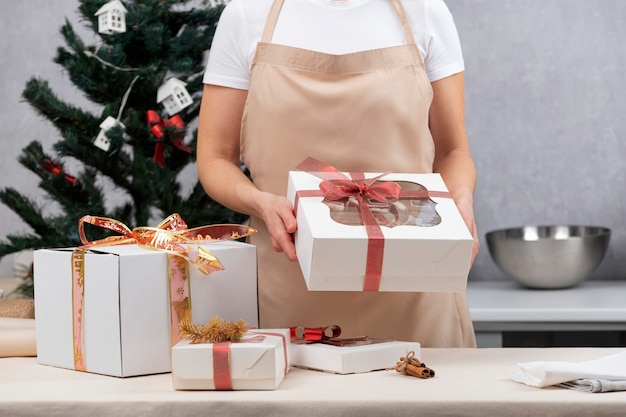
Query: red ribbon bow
159	127
384	192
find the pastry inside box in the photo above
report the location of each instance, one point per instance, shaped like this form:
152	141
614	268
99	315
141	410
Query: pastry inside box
405	211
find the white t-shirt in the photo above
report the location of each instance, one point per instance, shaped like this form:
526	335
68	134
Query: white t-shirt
333	27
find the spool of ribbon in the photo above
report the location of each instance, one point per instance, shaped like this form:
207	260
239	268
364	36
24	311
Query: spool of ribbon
170	236
314	334
328	335
335	185
173	127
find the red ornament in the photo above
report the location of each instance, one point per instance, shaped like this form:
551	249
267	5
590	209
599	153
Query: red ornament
55	170
158	128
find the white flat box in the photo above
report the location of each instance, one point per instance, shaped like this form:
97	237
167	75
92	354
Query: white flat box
126	306
375	356
259	361
418	256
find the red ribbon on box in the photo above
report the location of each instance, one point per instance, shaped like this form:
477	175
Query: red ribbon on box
336	185
221	366
158	127
170	236
221	360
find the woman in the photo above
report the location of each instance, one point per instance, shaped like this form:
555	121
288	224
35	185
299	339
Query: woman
362	85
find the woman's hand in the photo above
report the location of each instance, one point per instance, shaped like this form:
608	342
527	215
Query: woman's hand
277	213
452	154
465	206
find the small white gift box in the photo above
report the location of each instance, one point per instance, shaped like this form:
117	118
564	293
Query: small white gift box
126	322
427	246
369	355
259	361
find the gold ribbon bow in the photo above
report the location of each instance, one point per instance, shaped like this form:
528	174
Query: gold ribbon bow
171	236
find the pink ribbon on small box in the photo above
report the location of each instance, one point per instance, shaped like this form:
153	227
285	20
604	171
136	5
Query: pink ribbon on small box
335	185
221	366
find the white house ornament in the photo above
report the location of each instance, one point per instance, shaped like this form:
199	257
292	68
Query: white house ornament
174	96
112	18
102	141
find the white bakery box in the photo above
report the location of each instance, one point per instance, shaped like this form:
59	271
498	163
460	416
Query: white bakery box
359	357
427	245
259	361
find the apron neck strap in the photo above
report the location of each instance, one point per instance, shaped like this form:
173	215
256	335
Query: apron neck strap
272	18
270	23
404	18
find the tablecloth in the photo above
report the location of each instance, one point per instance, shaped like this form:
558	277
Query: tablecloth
468	382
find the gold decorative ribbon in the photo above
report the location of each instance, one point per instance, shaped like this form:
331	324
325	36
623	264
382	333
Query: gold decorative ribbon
335	185
78	293
170	236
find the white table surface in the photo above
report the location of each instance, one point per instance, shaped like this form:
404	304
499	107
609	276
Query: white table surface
468	382
506	301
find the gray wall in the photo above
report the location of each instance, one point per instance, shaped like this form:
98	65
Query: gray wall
546	111
29	37
546	116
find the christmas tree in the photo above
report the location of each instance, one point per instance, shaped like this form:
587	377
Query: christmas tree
145	75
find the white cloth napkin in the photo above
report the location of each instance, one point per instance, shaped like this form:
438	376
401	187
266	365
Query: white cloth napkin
594	385
543	374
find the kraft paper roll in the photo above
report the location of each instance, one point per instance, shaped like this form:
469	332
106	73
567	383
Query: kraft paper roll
17	337
18	308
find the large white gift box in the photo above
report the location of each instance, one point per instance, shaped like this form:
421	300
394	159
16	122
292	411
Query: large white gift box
259	361
427	246
126	315
358	357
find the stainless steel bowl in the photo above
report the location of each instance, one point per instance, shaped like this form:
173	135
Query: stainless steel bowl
548	256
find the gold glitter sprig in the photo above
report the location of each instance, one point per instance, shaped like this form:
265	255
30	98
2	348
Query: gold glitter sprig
216	330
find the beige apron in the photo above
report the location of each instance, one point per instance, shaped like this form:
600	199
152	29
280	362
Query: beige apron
364	111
